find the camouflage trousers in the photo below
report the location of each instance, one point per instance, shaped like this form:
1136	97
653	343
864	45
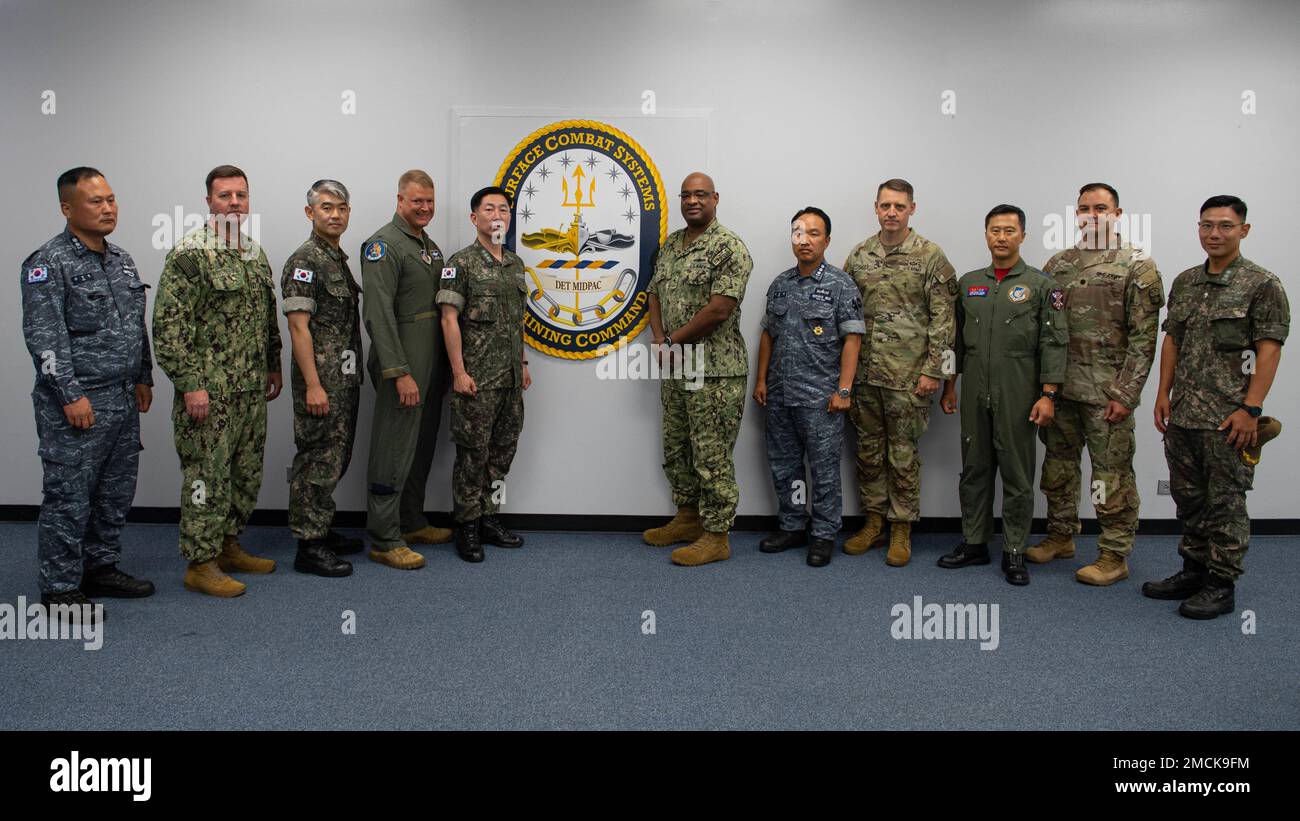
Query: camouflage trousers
324	451
88	483
1209	481
221	469
792	434
699	435
1113	488
486	431
889	425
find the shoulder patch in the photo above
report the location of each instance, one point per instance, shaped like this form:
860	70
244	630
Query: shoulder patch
38	274
303	275
1058	299
375	251
448	273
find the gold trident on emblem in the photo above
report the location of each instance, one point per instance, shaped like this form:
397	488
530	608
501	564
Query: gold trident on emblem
577	194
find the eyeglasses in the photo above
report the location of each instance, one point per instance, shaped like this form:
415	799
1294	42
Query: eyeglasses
1224	227
696	195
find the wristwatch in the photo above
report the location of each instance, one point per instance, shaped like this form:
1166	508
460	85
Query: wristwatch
668	340
845	393
1050	395
1253	410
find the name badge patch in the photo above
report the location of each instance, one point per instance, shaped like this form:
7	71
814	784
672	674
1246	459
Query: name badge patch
977	290
303	275
821	295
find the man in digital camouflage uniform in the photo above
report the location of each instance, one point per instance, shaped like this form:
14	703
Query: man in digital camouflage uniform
83	322
1228	319
217	337
482	301
695	294
807	354
321	302
1113	297
908	290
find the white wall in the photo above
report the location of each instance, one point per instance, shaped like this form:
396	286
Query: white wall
808	103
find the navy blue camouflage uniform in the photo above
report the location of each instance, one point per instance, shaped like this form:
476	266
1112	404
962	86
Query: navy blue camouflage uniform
808	319
83	321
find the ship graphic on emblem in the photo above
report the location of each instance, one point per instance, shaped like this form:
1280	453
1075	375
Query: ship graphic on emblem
588	219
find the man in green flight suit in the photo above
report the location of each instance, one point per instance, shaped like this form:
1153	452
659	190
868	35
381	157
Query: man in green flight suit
482	302
400	270
1011	346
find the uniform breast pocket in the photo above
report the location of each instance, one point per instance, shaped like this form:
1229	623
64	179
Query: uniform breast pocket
482	308
696	274
338	289
776	311
227	285
819	323
1230	327
88	309
1020	332
137	290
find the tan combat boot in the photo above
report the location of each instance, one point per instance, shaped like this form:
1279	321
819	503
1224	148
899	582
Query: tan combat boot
234	559
429	535
871	535
1109	568
1055	546
900	544
402	558
684	527
206	577
710	547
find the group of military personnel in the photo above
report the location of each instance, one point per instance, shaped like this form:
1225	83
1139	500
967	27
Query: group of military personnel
1061	353
432	322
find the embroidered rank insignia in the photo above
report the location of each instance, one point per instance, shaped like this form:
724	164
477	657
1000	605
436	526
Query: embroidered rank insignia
303	275
38	274
1058	299
80	278
1018	294
977	290
375	251
448	273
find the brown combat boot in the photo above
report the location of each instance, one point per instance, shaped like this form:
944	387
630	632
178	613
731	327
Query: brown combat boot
1109	568
429	535
871	535
234	559
900	544
1055	546
206	577
710	547
684	527
402	558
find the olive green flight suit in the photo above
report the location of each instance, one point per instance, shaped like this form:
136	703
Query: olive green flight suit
1012	338
400	275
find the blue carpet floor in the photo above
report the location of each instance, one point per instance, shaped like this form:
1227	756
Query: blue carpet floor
550	636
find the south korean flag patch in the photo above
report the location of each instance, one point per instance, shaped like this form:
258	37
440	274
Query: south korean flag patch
303	275
38	274
448	273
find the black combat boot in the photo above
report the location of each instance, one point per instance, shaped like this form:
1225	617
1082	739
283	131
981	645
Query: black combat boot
1182	584
342	545
493	532
1013	568
965	555
106	580
783	540
469	545
819	552
72	598
317	558
1215	599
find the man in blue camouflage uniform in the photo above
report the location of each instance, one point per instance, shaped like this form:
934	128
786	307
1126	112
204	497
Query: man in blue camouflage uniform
807	357
83	321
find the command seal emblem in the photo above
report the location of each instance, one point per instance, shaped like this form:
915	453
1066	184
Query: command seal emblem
588	218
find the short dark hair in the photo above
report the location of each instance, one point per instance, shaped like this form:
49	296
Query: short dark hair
901	186
1006	209
1237	204
812	209
68	179
1101	186
475	200
222	172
